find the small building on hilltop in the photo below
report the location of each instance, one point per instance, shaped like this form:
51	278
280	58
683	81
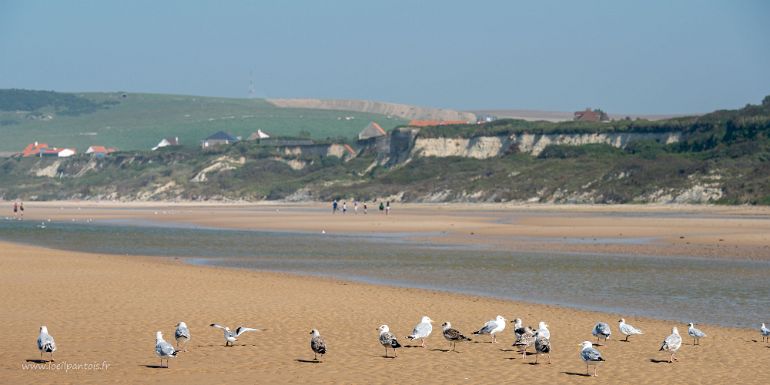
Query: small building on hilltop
589	115
166	142
34	149
100	151
218	139
372	130
67	152
258	135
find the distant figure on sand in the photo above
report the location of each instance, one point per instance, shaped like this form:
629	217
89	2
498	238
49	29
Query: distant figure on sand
15	209
387	208
334	207
365	207
21	210
344	207
355	207
382	207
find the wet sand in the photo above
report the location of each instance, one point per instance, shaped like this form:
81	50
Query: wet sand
107	308
659	230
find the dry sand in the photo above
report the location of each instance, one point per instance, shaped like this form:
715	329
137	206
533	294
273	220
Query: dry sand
107	308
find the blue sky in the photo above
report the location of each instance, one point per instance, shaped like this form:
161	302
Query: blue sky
623	56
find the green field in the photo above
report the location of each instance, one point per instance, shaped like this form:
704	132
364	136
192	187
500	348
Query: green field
139	121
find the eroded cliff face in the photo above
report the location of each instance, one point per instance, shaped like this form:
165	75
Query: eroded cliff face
484	147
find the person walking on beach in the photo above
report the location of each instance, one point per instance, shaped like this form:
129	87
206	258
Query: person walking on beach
365	208
344	207
21	210
334	207
15	209
382	207
355	207
387	208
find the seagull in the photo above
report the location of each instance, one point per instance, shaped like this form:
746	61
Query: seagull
695	333
182	335
601	329
542	346
422	330
231	337
672	343
627	329
590	356
453	335
524	338
317	344
765	333
45	343
388	340
493	327
163	349
542	329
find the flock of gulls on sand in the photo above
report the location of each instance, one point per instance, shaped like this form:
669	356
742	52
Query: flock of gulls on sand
525	337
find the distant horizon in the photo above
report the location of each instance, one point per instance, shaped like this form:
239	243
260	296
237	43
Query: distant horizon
636	58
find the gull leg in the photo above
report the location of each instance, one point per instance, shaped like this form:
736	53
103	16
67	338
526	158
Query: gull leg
549	358
423	342
536	357
52	357
587	372
595	368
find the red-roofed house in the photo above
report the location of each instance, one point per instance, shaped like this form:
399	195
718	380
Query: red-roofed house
34	149
589	115
99	151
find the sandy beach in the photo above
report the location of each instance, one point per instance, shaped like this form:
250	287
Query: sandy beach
104	310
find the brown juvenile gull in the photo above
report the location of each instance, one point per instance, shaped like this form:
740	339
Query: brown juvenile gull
453	335
45	343
542	346
672	343
317	344
422	330
388	340
524	339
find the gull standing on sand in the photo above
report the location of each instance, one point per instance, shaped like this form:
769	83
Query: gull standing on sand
542	346
492	327
671	344
765	333
524	338
627	329
231	337
182	335
695	333
422	330
163	349
601	330
542	329
317	344
45	343
590	356
388	340
453	335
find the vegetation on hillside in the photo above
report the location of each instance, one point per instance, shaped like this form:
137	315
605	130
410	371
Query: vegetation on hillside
722	157
131	121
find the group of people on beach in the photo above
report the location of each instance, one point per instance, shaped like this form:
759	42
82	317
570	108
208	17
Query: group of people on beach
18	210
384	207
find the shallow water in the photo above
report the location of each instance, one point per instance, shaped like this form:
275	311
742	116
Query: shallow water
726	292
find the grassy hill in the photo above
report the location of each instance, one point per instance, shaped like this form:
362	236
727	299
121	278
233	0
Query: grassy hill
138	121
722	157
